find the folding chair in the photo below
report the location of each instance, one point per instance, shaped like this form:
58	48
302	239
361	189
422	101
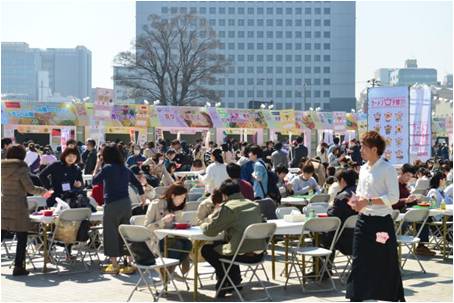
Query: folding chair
318	207
412	216
395	214
350	223
320	198
191	206
258	231
315	225
282	211
140	234
69	220
160	190
138	220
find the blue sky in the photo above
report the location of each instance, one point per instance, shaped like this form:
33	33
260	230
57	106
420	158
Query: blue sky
387	32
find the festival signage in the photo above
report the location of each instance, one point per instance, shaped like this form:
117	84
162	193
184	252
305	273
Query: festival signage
339	121
304	120
420	123
187	116
439	127
351	121
388	114
43	113
241	118
282	120
324	120
129	116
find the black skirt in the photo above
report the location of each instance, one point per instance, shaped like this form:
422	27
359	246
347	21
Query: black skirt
375	271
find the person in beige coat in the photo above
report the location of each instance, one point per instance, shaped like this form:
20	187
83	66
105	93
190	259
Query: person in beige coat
16	183
163	213
208	206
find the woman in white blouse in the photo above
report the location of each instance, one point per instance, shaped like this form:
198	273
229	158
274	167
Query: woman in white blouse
375	269
216	172
437	186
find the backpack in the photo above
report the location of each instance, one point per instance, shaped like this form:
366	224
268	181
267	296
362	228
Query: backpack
273	190
83	232
77	199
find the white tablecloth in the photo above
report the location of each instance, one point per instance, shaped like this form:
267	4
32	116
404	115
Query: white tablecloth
297	201
434	212
97	216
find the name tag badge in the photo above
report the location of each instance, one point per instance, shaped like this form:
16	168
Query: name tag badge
66	187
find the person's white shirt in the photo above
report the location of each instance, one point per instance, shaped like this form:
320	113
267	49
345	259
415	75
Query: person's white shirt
436	193
333	191
243	160
448	194
422	183
216	173
30	157
378	181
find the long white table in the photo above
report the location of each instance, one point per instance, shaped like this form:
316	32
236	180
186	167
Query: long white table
295	201
196	235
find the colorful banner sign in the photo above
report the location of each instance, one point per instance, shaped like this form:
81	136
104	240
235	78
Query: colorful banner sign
388	114
362	123
324	121
241	118
339	121
351	121
43	113
304	120
129	116
420	123
186	116
282	120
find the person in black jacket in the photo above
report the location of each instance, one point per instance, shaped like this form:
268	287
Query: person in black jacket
89	157
299	153
63	176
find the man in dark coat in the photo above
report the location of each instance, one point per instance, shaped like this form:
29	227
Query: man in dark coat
299	153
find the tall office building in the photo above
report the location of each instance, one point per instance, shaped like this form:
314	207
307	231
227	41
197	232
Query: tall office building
37	74
297	54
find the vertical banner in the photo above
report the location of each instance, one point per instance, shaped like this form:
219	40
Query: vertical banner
388	114
420	123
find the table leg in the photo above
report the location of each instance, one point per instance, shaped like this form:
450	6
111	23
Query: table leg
196	269
316	260
286	241
164	275
46	247
445	238
273	258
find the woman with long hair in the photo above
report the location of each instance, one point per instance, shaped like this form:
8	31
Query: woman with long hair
216	172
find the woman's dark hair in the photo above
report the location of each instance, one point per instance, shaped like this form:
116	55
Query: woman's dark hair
217	154
308	168
424	171
330	180
6	141
229	187
281	169
256	150
436	179
197	163
170	165
216	197
16	151
278	146
349	176
337	151
373	139
31	147
156	157
408	168
111	154
225	147
234	171
70	151
331	170
176	189
150	144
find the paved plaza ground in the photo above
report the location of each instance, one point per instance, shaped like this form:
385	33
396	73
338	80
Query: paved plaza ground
435	285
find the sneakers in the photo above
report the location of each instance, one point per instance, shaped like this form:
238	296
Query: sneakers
20	271
128	270
423	250
110	269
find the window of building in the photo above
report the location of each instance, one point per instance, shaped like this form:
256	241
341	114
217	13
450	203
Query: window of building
222	10
203	10
260	93
308	11
317	58
317	81
250	69
250	58
298	58
251	22
326	46
279	22
269	94
221	93
241	22
260	70
269	58
279	58
241	58
212	11
260	22
240	93
298	35
278	94
240	81
250	94
174	10
298	22
241	45
232	34
231	69
269	34
307	58
288	58
317	46
250	34
288	35
279	81
318	34
231	81
231	45
231	22
318	11
231	94
317	94
326	58
221	22
307	70
212	22
308	94
307	46
326	70
269	11
279	46
298	105
288	22
298	46
241	34
260	34
317	69
164	10
327	11
298	70
279	11
221	34
231	10
288	81
241	10
308	22
269	46
260	57
250	46
260	11
240	105
288	46
278	105
288	94
317	22
241	69
231	105
279	70
326	81
289	70
269	22
298	11
326	94
269	81
308	81
279	34
250	11
250	81
326	34
298	81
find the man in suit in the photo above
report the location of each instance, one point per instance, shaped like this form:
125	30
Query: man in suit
299	153
233	217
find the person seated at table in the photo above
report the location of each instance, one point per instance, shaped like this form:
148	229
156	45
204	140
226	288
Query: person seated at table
234	172
152	180
136	158
197	165
437	186
234	216
168	174
423	181
284	186
331	187
162	213
208	206
63	176
16	183
405	198
149	191
216	172
305	181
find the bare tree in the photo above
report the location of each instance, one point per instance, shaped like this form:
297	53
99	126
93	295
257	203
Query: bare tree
172	61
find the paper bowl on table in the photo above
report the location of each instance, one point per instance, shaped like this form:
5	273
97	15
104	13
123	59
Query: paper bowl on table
48	213
322	215
182	225
294	218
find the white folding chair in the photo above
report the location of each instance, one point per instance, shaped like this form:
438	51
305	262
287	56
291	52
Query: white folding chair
395	214
191	206
350	223
160	190
320	198
138	220
315	225
318	207
412	216
73	218
258	231
140	234
282	211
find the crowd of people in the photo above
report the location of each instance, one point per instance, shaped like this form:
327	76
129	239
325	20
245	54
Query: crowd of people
233	175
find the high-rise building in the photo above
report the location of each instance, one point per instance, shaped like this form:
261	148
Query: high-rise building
298	54
383	75
40	73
